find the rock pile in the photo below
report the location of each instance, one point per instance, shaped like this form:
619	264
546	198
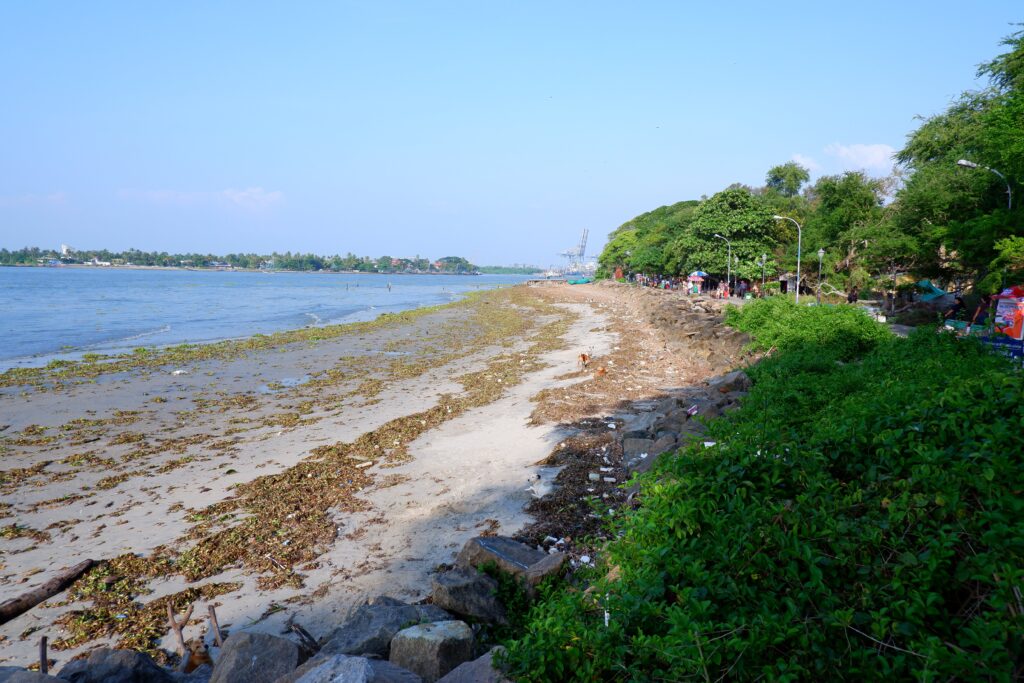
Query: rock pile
382	641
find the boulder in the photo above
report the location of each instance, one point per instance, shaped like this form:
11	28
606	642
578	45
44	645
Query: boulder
480	670
468	593
733	381
255	658
639	423
549	566
371	627
631	448
346	669
432	650
200	674
26	676
512	557
115	666
663	444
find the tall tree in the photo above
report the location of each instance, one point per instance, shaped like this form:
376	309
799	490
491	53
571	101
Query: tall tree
737	215
787	179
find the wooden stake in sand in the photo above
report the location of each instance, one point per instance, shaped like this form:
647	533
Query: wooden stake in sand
44	663
215	627
26	601
176	626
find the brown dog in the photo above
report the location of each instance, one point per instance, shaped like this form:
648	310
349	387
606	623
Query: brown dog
584	360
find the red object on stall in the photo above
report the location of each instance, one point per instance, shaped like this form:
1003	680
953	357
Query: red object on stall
1010	312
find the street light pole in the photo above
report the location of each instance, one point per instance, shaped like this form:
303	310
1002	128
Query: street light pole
799	239
821	255
728	264
764	260
1009	192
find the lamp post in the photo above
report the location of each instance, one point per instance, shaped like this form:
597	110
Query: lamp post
821	255
1009	193
728	263
764	260
799	239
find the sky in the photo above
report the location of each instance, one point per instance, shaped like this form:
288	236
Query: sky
492	130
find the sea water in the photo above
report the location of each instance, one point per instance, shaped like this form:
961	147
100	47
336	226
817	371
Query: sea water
64	313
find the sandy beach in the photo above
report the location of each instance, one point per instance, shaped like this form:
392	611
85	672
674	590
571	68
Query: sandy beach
287	482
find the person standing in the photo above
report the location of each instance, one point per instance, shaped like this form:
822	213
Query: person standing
853	296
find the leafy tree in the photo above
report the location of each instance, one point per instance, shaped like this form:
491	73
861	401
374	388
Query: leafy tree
741	217
787	179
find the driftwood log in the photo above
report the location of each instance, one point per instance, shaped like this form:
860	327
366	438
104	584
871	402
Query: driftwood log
26	601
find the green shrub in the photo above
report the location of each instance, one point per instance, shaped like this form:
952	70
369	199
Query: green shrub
778	322
860	518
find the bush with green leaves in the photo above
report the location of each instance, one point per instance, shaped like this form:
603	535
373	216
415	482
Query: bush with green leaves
778	322
859	518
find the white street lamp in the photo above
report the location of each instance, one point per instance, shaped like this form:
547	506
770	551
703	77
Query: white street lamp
764	260
821	255
728	263
1009	193
799	240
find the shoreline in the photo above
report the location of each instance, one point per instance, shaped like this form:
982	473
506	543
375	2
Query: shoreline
97	353
269	271
128	466
234	498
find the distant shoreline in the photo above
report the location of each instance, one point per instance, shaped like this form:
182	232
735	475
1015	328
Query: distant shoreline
208	269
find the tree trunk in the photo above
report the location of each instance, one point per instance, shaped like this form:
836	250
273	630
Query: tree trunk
26	601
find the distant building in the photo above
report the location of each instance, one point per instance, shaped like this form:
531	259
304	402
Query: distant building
66	250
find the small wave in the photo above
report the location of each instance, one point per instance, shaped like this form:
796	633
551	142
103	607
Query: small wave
142	335
315	318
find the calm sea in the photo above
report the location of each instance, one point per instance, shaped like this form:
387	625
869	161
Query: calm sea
48	313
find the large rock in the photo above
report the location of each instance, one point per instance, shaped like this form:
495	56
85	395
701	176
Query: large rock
371	627
480	670
346	669
733	381
115	666
512	557
549	566
201	674
468	593
28	677
432	650
632	448
255	658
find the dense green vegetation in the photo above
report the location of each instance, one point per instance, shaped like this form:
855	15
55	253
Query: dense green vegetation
859	518
932	218
275	261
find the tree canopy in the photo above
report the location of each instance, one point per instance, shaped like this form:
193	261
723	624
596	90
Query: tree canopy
934	217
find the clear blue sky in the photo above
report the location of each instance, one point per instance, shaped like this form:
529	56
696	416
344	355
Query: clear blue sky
491	130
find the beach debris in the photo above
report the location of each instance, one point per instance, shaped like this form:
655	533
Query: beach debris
26	601
593	476
709	444
692	410
176	627
176	373
611	425
363	465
